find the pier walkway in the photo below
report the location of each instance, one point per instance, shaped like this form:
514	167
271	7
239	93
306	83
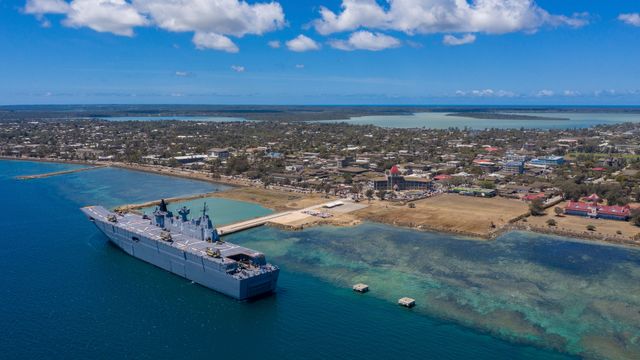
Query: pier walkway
232	228
56	173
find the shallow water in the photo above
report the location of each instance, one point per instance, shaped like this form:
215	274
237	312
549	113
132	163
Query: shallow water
67	293
439	120
578	297
228	211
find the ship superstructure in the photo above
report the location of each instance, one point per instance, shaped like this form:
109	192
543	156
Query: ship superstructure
191	248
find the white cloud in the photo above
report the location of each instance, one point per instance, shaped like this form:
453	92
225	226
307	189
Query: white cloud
302	43
571	93
366	40
274	44
214	41
545	93
237	68
211	21
630	19
41	7
452	40
299	66
437	16
486	93
182	73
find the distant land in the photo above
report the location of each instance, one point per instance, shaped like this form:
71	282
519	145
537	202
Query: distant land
283	112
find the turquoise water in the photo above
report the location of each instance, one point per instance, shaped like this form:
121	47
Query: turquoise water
67	293
229	211
438	120
180	118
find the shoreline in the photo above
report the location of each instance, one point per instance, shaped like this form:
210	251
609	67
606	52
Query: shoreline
514	224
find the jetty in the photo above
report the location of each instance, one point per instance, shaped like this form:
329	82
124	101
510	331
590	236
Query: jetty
244	225
56	173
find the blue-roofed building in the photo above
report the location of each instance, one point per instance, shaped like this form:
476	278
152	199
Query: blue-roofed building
514	167
548	161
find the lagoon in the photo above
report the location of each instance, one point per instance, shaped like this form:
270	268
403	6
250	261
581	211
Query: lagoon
67	293
440	120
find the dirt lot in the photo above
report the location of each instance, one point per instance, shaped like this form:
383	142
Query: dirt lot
578	225
276	200
449	212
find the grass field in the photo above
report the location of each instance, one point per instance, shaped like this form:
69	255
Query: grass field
449	212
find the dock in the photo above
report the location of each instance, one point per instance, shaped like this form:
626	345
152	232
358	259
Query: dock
244	225
407	302
56	173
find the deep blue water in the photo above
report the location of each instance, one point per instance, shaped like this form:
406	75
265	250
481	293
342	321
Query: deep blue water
67	293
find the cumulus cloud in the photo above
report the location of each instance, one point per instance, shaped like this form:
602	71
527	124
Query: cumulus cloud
632	19
302	43
437	16
41	7
237	68
452	40
486	93
545	93
366	40
210	21
274	44
299	66
214	41
182	73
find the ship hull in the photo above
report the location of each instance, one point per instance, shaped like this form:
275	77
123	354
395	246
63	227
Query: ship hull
191	266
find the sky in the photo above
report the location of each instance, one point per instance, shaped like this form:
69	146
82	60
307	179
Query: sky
384	52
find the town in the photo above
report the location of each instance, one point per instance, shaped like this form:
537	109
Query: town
585	174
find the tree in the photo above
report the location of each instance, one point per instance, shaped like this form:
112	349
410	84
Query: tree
591	227
635	217
382	194
369	194
558	210
536	207
551	222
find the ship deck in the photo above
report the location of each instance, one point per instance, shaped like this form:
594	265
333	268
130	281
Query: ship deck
137	224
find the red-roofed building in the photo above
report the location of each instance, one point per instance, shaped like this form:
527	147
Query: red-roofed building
442	177
531	197
594	210
593	198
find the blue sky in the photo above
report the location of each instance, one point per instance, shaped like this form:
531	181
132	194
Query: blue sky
573	52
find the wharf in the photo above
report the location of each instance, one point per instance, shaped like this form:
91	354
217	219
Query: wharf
56	173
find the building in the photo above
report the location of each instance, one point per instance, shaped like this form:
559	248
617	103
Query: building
395	181
474	191
597	211
219	153
548	161
514	167
188	159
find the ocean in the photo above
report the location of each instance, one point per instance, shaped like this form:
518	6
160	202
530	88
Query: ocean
68	293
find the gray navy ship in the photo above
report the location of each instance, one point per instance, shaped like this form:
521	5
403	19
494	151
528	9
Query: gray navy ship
191	248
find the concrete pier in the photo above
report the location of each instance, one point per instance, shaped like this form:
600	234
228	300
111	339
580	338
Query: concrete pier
56	173
407	302
361	288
